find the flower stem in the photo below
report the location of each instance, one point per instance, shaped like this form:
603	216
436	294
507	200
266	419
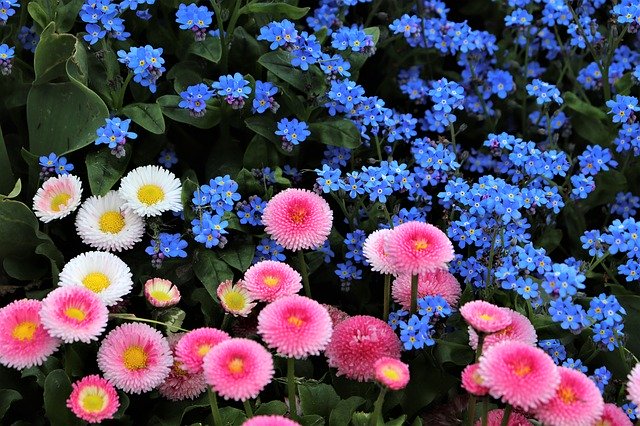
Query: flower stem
213	401
377	408
247	408
414	293
387	296
505	416
485	410
304	271
225	321
471	411
291	384
133	317
480	343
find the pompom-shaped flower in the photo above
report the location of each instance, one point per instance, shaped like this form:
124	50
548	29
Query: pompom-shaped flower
151	190
101	272
161	293
269	280
518	374
484	316
520	330
23	340
105	224
337	315
357	343
57	198
135	357
238	369
298	219
74	313
633	385
374	251
434	283
295	326
472	381
494	418
93	399
181	384
391	372
612	415
270	421
416	247
235	299
577	401
194	345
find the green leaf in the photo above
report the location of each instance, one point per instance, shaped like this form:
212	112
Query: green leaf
259	154
397	422
277	9
38	14
7	179
336	132
272	407
341	415
577	104
593	130
172	318
148	116
232	416
51	55
57	389
624	84
454	352
240	256
550	239
189	186
318	399
209	49
263	126
7	396
312	420
210	270
169	104
105	169
374	32
66	14
172	414
608	184
279	63
574	221
427	383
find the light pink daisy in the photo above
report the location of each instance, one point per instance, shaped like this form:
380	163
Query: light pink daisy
417	247
391	372
135	357
235	299
270	421
161	293
238	369
337	315
613	415
93	399
520	330
633	385
357	343
295	326
23	340
518	374
57	198
74	313
374	251
194	345
434	283
181	384
472	381
298	219
576	402
269	280
484	316
494	418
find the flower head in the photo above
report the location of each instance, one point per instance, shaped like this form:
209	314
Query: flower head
161	293
612	415
151	190
194	345
472	381
181	384
484	316
235	299
417	247
269	280
633	385
494	418
93	399
374	251
270	421
433	283
520	330
391	372
57	198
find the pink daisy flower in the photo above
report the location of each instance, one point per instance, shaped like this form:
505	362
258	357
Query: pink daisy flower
269	280
613	415
484	316
633	385
337	315
298	219
194	345
417	247
518	374
161	293
235	299
391	372
181	384
494	418
135	357
238	369
74	313
374	251
520	330
472	381
576	402
270	421
295	326
57	198
93	399
23	340
434	283
357	343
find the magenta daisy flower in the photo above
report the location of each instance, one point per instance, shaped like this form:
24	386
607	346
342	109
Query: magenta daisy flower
434	283
74	313
298	219
161	293
494	418
357	343
135	357
194	345
23	340
391	372
612	415
484	316
93	399
472	381
374	251
295	326
181	384
269	280
270	421
417	247
238	369
576	402
518	374
633	385
520	330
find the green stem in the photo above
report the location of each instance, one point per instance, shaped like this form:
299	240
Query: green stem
480	344
485	410
291	385
215	412
122	91
247	408
377	408
225	321
378	150
414	293
132	317
387	296
304	271
223	43
453	136
471	411
505	416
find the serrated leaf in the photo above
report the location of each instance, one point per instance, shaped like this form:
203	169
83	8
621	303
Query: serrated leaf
105	169
148	116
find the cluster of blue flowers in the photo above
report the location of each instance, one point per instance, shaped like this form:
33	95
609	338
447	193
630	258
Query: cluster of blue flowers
6	59
53	165
250	211
114	134
268	249
194	18
28	38
348	270
164	246
233	88
7	9
417	330
292	132
211	203
622	237
145	63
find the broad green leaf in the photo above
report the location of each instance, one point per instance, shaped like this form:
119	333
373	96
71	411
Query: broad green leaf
550	239
148	116
454	352
52	52
318	399
608	184
38	14
169	104
279	63
189	186
574	221
341	414
7	396
57	389
17	188
172	318
264	126
172	414
577	104
374	32
312	420
66	15
210	270
240	256
259	154
336	132
592	130
427	383
272	407
232	416
7	180
277	9
209	49
105	169
624	84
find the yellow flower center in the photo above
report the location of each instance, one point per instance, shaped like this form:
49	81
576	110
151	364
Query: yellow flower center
93	400
234	301
150	194
236	366
111	222
134	358
271	281
59	201
75	313
486	317
521	368
567	395
390	373
294	320
203	350
420	244
96	281
477	378
298	215
161	295
24	331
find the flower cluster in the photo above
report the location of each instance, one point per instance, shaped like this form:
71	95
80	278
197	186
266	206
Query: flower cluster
114	134
53	165
145	63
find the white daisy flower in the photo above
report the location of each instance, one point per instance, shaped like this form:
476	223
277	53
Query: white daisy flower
151	190
103	273
57	198
105	224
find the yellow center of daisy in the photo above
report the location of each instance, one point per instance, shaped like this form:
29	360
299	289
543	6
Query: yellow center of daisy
236	366
92	400
604	422
111	222
75	313
96	281
59	201
203	350
234	301
134	358
177	369
294	320
567	395
298	215
486	317
420	244
24	331
271	281
390	373
161	295
521	368
150	194
477	378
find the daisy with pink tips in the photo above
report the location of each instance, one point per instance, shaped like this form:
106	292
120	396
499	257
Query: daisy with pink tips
235	299
494	418
74	314
58	197
23	340
472	381
93	399
375	253
520	330
391	373
194	345
270	421
612	415
485	317
269	280
434	283
161	293
633	385
181	384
